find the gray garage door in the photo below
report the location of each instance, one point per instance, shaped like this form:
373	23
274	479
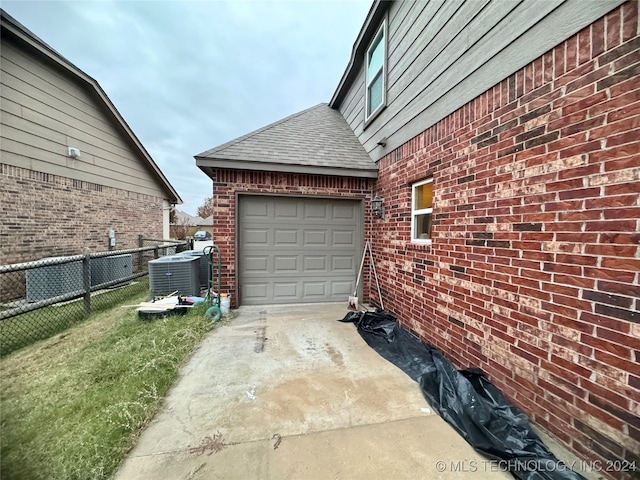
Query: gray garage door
295	249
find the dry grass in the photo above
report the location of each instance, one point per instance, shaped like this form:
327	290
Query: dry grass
73	405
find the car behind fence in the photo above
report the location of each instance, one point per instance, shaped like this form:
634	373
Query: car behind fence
41	298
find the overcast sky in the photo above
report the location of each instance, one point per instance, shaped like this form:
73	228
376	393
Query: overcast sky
190	75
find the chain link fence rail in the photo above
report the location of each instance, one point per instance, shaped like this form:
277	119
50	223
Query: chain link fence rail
41	298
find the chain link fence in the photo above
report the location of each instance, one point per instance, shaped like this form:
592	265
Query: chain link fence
41	298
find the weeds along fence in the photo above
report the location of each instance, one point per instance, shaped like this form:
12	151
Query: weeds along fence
41	298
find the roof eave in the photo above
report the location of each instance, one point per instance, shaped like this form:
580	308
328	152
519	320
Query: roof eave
207	165
26	36
368	30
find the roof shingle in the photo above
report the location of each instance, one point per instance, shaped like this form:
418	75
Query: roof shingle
312	140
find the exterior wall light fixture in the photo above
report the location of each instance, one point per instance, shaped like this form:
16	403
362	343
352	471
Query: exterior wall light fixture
376	206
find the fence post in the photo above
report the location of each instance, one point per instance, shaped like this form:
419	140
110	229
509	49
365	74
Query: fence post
155	252
86	280
140	245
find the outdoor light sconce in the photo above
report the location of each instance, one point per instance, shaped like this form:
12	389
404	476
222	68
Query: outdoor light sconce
376	206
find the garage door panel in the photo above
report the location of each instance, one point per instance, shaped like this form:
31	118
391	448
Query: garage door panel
286	237
257	291
315	263
315	237
315	211
256	236
341	288
287	263
284	210
256	210
316	290
343	237
297	249
285	290
344	212
257	263
342	263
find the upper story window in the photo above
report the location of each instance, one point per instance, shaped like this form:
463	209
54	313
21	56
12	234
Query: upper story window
376	72
421	211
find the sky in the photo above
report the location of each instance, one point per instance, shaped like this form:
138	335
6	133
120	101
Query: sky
190	75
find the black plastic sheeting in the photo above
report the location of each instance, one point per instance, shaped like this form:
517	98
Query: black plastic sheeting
466	399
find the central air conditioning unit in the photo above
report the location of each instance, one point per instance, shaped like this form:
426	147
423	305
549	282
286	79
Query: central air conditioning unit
174	273
204	263
51	281
111	268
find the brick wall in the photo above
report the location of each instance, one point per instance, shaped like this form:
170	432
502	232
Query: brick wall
46	215
227	182
533	273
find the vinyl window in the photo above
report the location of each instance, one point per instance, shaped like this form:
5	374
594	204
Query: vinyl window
376	68
422	211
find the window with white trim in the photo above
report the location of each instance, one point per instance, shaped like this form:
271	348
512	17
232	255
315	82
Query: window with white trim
376	60
421	211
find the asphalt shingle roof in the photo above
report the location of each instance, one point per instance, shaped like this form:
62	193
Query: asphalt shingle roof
183	218
317	138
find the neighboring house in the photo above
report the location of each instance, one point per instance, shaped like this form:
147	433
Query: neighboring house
186	219
503	139
205	224
185	225
71	169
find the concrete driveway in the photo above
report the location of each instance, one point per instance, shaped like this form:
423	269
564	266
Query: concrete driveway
288	392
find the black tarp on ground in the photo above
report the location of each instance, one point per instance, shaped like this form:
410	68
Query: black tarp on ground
466	399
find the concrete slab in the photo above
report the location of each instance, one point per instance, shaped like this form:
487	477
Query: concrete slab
289	392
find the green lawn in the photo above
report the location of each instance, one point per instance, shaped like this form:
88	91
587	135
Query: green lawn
73	405
24	329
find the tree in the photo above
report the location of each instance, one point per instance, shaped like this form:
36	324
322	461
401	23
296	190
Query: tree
206	209
181	229
178	227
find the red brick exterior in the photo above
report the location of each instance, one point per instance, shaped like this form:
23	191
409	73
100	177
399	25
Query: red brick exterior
533	273
226	183
45	215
